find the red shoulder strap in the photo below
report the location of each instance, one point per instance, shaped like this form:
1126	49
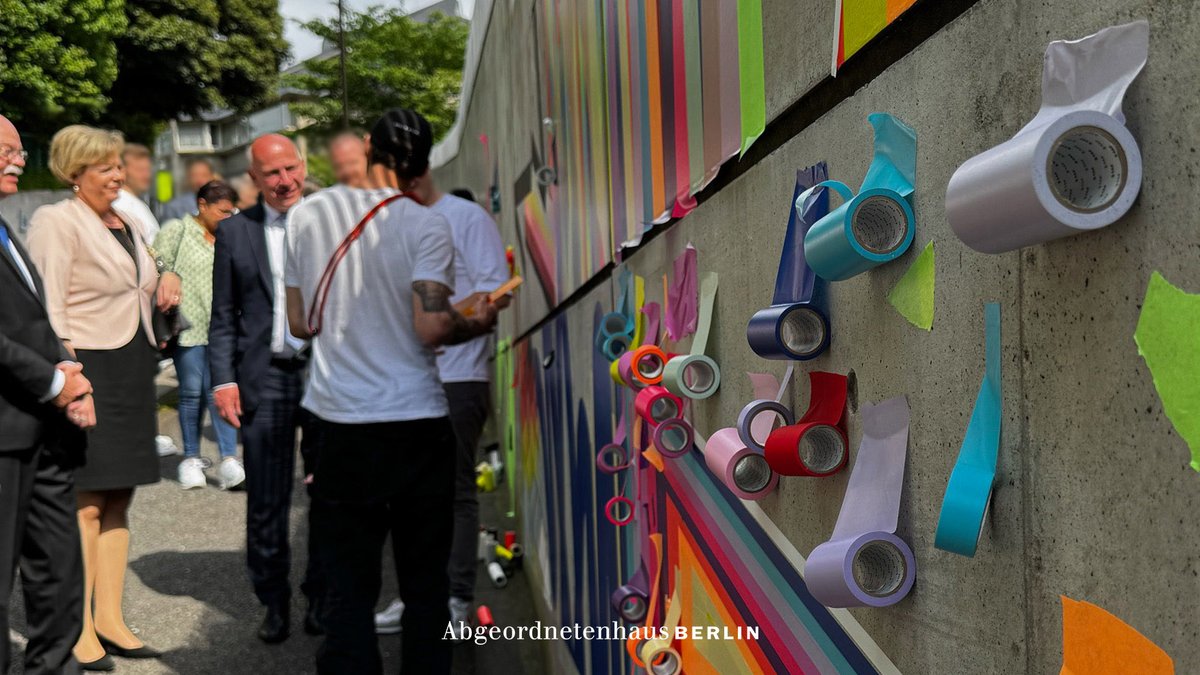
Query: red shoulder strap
316	310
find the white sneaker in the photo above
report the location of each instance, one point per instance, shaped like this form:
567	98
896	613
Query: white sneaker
232	473
191	473
460	611
166	446
387	622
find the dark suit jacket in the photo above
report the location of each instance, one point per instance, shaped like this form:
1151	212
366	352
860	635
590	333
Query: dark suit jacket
239	333
29	350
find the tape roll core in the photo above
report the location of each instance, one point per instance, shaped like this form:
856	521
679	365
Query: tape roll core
673	437
751	473
664	409
802	330
879	224
698	375
664	662
1087	168
880	568
822	448
633	608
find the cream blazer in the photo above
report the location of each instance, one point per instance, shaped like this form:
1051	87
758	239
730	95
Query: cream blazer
96	296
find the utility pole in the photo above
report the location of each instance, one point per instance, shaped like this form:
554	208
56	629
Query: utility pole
342	63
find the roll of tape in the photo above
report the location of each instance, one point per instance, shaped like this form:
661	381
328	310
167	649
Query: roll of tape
695	375
1074	167
816	445
796	325
876	225
484	615
614	346
612	459
673	437
657	655
496	574
864	563
655	405
631	600
618	510
969	491
652	562
502	553
745	423
614	371
745	472
518	551
648	364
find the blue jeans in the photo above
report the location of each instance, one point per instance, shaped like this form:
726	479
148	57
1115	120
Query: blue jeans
191	366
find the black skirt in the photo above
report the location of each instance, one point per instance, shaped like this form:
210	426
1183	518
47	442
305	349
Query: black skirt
120	450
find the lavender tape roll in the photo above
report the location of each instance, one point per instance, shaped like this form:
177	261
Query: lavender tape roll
864	563
752	426
631	600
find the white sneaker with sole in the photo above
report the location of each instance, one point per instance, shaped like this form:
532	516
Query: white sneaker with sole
231	472
165	446
191	473
460	612
387	622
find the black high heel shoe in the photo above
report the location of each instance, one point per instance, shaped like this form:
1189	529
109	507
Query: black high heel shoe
115	649
103	664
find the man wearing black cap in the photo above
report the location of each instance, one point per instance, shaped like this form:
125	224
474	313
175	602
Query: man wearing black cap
378	304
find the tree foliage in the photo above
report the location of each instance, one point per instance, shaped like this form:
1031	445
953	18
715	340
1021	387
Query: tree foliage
391	61
181	57
57	59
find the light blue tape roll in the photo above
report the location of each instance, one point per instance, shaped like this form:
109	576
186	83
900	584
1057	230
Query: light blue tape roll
970	488
877	225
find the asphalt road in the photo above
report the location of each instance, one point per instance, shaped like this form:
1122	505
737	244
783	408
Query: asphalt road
187	593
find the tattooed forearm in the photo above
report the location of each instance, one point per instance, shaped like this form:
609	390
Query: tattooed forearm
435	298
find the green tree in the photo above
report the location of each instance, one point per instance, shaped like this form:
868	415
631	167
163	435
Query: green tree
181	57
57	59
391	61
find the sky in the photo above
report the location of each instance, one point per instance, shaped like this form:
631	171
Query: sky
306	45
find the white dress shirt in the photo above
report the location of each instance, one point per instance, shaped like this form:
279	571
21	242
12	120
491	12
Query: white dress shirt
138	213
276	231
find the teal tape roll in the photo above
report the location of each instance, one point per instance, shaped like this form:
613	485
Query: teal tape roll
878	224
970	488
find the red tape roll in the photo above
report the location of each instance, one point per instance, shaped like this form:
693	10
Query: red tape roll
656	405
817	444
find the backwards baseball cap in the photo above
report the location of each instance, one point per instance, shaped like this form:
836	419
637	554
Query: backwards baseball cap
406	137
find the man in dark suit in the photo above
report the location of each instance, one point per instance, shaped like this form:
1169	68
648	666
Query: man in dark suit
40	389
258	376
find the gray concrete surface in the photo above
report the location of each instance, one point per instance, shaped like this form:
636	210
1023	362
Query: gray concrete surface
187	593
1094	498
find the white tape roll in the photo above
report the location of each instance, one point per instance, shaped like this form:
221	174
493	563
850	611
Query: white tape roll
1074	168
496	572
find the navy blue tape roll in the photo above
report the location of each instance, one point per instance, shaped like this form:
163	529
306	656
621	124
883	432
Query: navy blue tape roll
796	325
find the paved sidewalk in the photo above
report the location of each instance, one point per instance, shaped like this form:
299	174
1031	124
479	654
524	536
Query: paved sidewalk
188	595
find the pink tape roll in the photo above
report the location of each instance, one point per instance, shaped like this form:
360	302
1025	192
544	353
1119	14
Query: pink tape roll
656	405
742	470
619	511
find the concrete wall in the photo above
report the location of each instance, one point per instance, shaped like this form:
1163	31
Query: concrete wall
1094	499
17	209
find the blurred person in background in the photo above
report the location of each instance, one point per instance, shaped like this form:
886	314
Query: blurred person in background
247	191
347	154
139	176
185	247
100	280
199	173
42	393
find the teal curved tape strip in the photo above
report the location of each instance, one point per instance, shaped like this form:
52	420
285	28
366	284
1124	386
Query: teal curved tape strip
970	488
878	224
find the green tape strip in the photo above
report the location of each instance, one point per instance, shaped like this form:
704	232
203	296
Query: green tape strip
750	61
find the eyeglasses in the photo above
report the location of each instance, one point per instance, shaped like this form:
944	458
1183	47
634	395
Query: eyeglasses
12	153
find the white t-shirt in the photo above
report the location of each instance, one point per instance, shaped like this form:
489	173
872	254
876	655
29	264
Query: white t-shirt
368	364
479	267
133	209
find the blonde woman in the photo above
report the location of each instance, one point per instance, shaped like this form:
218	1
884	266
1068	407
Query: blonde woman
100	281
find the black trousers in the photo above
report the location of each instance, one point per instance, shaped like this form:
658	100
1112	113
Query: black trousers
269	444
469	407
40	533
372	480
